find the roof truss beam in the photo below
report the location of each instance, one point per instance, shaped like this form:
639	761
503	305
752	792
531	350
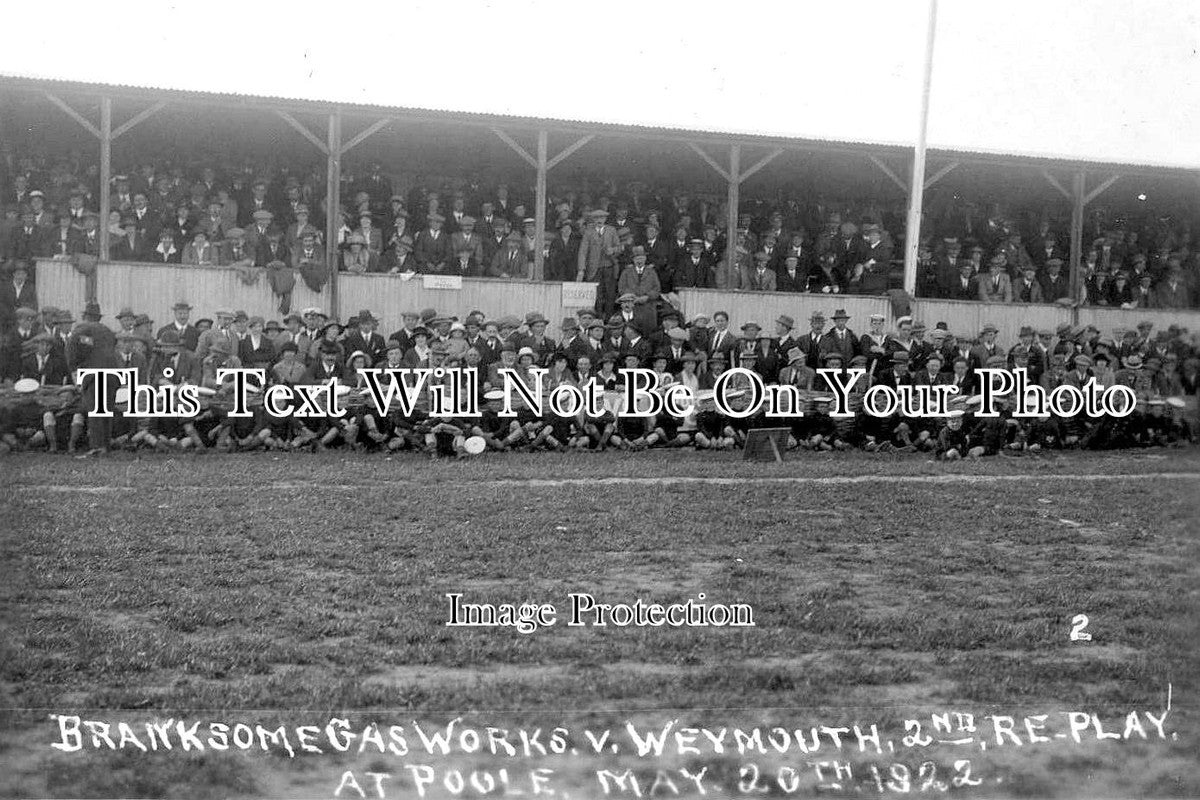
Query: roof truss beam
304	131
73	114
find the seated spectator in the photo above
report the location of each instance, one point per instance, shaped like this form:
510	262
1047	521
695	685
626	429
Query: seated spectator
165	252
200	252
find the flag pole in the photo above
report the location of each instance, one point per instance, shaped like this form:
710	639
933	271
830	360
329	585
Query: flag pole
916	187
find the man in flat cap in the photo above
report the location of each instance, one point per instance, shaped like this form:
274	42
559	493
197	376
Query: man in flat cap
1055	285
467	238
262	222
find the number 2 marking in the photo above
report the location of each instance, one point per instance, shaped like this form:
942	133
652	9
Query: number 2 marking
1079	623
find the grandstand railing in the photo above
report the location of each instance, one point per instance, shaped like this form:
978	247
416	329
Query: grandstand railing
154	288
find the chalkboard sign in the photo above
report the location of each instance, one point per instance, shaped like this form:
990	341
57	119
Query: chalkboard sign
765	444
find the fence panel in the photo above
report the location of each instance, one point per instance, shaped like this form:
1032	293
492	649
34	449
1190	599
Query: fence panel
965	317
387	296
61	285
1110	319
765	307
154	288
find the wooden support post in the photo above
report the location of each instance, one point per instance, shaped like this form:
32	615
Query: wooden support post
105	181
539	236
333	186
1078	197
735	181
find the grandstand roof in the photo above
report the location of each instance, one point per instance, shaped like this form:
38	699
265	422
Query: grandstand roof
147	94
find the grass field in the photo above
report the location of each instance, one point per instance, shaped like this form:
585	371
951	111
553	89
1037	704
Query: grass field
286	590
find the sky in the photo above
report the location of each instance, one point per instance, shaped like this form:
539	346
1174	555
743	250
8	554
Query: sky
1104	80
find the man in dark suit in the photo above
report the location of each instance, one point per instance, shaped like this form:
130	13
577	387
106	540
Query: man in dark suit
693	268
791	277
131	246
41	362
148	222
658	249
564	251
848	248
964	287
128	358
1047	250
1028	289
170	353
271	249
366	338
189	336
810	343
721	339
840	339
16	291
377	187
635	343
28	240
62	240
757	352
432	246
1054	284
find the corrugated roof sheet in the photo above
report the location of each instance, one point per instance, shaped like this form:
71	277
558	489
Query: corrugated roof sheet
302	104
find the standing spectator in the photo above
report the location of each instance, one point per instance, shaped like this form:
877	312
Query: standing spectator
17	291
564	254
432	245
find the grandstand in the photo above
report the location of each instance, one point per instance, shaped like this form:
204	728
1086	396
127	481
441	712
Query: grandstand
85	135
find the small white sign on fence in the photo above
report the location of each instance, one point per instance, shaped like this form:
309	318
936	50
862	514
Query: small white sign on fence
578	295
442	282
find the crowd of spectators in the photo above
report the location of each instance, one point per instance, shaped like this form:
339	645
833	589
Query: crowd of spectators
308	348
631	238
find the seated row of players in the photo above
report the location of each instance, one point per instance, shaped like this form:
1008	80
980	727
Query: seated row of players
313	350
